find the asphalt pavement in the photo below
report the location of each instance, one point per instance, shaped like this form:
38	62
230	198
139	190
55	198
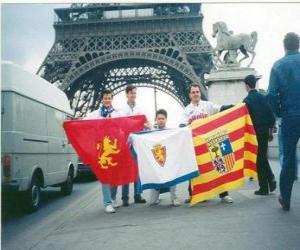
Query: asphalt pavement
79	222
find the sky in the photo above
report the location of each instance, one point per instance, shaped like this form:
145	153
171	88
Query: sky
27	35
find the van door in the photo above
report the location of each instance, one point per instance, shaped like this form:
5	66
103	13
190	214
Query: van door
57	164
30	137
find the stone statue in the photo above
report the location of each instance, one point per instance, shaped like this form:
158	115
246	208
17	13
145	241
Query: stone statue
232	44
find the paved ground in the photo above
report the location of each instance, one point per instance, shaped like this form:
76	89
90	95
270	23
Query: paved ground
79	222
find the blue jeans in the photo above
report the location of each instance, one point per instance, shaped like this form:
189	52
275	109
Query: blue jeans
290	135
106	194
281	151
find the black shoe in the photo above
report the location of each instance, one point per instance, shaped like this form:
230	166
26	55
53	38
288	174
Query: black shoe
272	186
296	178
125	203
261	192
251	179
284	206
139	199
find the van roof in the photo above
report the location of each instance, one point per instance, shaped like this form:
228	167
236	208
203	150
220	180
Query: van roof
16	79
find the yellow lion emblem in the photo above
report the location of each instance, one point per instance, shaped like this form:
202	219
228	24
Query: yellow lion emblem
108	148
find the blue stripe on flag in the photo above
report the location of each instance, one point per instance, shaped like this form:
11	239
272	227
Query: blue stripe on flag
149	131
170	183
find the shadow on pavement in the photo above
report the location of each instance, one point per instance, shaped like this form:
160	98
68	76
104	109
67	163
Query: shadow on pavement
12	206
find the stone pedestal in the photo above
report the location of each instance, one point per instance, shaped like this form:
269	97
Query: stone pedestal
226	86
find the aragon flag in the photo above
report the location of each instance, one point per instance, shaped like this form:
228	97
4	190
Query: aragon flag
226	147
103	144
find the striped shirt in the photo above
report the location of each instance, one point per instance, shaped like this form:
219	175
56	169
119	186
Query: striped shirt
203	109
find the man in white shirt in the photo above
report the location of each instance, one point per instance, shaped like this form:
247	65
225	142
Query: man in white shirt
199	109
131	108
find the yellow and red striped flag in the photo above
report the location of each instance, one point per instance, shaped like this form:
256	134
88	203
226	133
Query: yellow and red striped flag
226	147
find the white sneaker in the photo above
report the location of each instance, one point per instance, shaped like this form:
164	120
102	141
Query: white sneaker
227	199
176	203
115	204
156	202
109	209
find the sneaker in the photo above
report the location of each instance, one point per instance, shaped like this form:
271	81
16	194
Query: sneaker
188	200
227	199
284	206
176	203
115	204
261	192
109	209
125	203
139	199
155	202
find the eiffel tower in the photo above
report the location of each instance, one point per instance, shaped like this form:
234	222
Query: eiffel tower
108	46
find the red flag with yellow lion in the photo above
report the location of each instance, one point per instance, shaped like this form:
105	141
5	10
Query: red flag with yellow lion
103	144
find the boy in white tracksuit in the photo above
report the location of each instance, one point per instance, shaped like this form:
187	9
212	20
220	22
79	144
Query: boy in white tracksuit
161	119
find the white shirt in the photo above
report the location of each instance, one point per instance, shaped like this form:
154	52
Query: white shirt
127	110
203	109
96	115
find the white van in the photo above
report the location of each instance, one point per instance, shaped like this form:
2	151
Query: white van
35	152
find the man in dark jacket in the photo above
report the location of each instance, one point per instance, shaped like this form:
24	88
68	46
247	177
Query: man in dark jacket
263	120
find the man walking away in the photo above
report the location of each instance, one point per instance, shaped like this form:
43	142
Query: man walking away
284	97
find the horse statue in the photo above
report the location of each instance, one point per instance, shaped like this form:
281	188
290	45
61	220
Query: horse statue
227	41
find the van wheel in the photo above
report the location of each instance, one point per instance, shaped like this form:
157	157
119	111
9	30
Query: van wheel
67	187
33	195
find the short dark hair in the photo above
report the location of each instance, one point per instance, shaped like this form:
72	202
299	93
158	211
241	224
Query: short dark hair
291	41
250	80
129	88
106	92
194	85
161	112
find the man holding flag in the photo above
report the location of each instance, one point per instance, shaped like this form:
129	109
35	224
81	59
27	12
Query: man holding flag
161	120
106	110
101	141
263	122
199	109
131	108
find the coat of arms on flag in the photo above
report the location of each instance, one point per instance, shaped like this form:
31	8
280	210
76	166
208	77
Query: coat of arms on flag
103	145
107	149
225	146
165	157
221	153
160	154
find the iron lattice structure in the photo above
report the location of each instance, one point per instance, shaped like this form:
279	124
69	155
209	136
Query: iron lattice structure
108	46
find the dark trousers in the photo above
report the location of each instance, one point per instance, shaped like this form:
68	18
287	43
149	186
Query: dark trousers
290	128
137	191
264	171
221	195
